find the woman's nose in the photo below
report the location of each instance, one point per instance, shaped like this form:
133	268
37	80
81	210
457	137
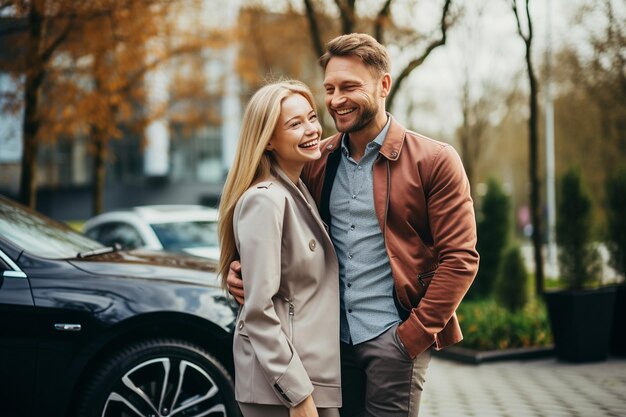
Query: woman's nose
311	127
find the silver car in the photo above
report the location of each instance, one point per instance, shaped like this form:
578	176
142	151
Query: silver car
176	228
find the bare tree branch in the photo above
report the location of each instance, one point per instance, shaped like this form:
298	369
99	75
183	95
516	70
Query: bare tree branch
347	14
52	47
21	27
177	52
525	37
316	36
381	18
444	24
533	143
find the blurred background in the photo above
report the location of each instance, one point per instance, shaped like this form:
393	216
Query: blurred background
116	103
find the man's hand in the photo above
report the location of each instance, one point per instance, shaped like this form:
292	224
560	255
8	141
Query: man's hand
305	409
234	281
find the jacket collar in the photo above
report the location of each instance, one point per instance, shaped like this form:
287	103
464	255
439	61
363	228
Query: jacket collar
391	148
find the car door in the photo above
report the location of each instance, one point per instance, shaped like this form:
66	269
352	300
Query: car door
18	340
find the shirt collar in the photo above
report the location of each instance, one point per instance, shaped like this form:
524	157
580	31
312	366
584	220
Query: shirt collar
378	140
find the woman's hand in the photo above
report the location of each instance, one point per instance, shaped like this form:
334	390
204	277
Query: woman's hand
305	409
234	281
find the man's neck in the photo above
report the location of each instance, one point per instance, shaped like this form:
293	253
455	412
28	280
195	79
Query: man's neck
358	140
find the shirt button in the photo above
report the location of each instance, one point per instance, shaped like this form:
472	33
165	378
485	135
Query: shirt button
360	167
349	310
351	227
349	285
353	196
349	256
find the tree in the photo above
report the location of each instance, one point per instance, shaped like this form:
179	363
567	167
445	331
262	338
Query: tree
131	41
579	260
616	207
473	135
533	143
383	28
46	30
493	235
96	88
511	287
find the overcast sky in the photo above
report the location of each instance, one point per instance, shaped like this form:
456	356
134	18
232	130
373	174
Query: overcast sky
487	43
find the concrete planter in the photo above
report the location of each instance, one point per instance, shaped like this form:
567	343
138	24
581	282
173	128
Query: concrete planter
618	337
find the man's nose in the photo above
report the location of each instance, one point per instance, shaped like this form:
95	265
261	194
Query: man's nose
336	98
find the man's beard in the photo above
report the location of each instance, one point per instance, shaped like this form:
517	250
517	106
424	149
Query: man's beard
368	113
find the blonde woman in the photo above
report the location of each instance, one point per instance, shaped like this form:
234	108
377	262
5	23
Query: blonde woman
286	342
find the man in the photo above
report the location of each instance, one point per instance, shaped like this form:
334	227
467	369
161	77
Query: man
401	218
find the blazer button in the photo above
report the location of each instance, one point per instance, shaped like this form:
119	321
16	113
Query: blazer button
240	326
394	154
312	244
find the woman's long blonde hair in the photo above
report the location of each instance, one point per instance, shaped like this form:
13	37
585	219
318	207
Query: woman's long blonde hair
252	162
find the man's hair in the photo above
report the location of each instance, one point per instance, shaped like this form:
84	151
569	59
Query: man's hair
361	45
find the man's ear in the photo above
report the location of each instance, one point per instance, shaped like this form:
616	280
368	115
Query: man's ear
385	84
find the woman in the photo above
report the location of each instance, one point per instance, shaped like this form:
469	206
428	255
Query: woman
286	342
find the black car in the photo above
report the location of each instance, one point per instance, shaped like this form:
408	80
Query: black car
88	330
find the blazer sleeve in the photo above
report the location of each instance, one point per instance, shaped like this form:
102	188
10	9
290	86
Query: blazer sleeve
258	232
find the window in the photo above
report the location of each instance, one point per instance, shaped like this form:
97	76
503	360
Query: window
121	233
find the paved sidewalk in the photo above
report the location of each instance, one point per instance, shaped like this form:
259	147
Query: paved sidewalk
533	388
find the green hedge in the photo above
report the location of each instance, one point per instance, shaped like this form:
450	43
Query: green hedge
488	326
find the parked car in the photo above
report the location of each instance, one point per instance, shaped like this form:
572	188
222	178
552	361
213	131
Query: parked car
89	330
175	227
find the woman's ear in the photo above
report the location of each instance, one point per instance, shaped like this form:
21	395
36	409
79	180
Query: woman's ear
269	146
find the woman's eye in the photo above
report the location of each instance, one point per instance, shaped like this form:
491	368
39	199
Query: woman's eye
313	117
295	124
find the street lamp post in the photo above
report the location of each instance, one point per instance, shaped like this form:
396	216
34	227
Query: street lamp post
552	266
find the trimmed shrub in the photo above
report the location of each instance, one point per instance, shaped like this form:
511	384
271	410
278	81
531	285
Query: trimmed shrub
493	233
579	259
512	286
616	219
489	326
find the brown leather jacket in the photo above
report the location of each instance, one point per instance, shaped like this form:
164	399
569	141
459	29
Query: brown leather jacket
423	204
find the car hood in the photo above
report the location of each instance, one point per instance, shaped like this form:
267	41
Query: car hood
151	265
205	252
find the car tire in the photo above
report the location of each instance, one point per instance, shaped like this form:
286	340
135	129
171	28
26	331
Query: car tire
159	377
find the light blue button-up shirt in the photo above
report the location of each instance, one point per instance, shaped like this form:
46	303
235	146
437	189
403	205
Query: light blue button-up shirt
366	283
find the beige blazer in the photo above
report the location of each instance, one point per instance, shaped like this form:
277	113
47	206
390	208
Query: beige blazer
286	343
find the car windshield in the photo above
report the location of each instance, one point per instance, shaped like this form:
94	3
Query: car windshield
181	235
39	235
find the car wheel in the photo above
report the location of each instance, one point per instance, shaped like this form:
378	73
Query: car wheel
159	378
